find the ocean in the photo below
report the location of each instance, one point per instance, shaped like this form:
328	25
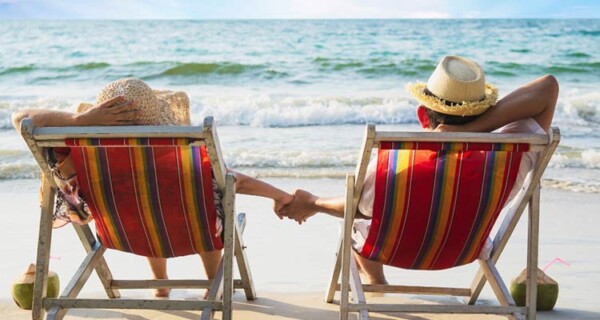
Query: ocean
291	97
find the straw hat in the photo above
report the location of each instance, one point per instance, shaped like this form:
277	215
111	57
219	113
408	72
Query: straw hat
456	87
157	107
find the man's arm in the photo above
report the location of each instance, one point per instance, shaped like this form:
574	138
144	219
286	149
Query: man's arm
536	99
306	204
116	111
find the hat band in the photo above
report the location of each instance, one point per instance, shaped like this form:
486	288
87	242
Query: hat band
447	102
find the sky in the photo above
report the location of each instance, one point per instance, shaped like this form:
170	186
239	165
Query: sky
296	9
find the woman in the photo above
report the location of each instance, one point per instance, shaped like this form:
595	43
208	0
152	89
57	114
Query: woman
132	102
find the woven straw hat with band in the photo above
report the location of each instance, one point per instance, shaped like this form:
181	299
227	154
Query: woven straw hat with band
456	87
156	107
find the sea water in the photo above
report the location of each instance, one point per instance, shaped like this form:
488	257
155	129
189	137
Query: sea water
291	97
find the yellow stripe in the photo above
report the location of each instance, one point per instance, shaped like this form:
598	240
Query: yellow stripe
447	194
399	194
496	193
93	162
190	197
143	198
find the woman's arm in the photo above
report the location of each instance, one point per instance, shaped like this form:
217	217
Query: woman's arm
250	186
116	111
536	99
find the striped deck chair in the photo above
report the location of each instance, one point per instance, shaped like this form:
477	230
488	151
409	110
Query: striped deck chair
437	198
151	192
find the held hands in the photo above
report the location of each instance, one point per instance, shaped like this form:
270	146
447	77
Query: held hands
116	111
300	208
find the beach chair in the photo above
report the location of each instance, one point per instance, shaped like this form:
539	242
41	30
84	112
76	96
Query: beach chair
437	197
150	191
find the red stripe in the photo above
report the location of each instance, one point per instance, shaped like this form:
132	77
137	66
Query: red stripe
170	200
378	206
454	205
407	246
471	178
123	190
122	183
84	185
464	206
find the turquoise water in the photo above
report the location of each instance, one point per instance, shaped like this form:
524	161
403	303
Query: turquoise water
297	86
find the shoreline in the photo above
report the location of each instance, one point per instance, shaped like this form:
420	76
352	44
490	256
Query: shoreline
291	264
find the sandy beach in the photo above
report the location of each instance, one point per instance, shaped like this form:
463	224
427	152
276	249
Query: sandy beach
290	263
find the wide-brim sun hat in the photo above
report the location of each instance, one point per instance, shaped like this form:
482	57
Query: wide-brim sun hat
156	107
456	87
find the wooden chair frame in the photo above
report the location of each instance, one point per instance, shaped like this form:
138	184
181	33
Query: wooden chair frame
345	263
220	289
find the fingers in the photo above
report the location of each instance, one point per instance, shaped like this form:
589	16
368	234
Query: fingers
111	102
278	214
125	106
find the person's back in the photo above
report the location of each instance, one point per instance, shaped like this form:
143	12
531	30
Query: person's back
455	98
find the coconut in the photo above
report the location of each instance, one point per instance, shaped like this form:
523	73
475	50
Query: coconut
547	290
22	288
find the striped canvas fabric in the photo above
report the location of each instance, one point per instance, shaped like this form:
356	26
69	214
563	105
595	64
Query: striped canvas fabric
151	197
436	203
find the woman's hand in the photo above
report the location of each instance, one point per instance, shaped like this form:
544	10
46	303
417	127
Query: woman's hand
116	111
280	202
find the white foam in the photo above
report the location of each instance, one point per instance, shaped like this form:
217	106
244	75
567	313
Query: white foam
591	159
579	107
262	110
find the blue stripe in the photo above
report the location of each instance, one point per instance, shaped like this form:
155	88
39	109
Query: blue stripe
485	196
436	200
388	208
154	198
107	194
200	212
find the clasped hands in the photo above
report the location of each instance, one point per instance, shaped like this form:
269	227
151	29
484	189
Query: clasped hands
298	206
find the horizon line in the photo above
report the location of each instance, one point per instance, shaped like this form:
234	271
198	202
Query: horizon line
297	19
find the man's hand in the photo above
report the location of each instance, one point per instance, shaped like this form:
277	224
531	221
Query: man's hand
301	208
116	111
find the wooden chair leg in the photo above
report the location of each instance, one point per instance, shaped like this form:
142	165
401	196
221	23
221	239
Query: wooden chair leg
78	281
214	293
43	250
356	287
230	233
335	275
498	286
88	240
532	253
243	265
346	250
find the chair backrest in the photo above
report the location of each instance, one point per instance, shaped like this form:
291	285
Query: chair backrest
436	202
151	190
152	197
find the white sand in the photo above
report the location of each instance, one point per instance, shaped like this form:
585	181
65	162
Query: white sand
290	263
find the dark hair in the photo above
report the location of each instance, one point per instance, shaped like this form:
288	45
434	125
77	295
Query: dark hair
437	118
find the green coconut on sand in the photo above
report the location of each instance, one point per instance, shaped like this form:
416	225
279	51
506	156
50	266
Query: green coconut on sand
547	290
22	289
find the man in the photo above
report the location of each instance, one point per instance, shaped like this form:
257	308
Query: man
455	98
